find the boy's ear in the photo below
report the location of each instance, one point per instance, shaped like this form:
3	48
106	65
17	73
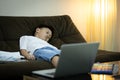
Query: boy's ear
37	29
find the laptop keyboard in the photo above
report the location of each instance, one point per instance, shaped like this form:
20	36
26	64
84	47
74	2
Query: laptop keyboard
52	73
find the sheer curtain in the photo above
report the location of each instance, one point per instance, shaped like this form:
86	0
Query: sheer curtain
101	23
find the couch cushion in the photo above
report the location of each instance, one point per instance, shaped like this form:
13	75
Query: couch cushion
16	70
13	27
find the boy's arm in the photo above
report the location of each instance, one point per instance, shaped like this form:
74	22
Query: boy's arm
27	55
23	45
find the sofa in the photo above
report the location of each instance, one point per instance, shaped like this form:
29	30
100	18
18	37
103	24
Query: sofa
65	32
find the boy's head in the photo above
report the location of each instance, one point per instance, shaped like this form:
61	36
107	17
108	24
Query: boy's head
44	32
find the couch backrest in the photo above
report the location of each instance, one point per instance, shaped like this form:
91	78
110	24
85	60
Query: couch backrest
13	27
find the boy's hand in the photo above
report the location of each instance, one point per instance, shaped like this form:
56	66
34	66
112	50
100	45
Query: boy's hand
30	57
27	54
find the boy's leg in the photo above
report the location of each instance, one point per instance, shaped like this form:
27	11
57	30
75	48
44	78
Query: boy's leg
48	54
54	60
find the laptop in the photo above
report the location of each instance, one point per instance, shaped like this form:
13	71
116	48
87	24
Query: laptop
75	58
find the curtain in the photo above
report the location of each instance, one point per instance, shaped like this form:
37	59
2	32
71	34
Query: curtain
101	23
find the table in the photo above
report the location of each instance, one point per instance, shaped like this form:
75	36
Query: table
80	77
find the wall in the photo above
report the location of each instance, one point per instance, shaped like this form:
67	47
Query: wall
77	9
117	45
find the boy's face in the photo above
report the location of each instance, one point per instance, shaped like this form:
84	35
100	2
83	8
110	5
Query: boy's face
44	33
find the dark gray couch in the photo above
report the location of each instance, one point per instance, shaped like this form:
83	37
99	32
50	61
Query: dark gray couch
13	27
